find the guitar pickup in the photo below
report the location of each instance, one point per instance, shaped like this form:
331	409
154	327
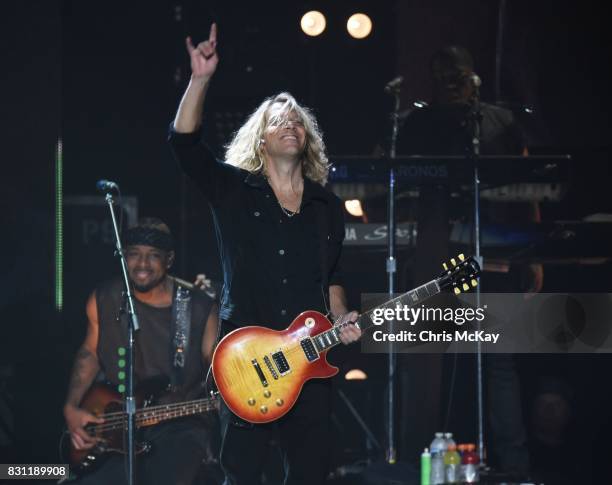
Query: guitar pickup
270	367
309	349
260	373
281	362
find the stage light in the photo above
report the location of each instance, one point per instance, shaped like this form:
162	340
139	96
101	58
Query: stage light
353	207
355	375
313	23
359	26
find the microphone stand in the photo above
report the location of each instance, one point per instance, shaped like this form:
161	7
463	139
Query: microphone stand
130	403
391	268
475	118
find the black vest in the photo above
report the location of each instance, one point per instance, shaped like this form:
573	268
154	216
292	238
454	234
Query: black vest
154	341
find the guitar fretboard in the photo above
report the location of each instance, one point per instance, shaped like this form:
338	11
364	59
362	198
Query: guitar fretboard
331	337
159	413
176	410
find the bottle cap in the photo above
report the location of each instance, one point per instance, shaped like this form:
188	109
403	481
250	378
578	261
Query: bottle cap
452	447
470	447
439	434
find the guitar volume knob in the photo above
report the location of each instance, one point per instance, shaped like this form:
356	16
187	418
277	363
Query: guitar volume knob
251	401
267	393
280	402
263	409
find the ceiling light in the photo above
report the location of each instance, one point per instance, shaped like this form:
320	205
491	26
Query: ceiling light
313	23
359	25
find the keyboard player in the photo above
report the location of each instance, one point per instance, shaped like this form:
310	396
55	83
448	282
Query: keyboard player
443	128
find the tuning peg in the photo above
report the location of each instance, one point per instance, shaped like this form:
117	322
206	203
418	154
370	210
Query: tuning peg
461	257
456	290
474	283
466	287
445	266
453	262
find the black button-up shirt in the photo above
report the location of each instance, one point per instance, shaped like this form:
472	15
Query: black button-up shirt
272	263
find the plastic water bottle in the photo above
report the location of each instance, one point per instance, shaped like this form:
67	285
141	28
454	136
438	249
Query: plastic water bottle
448	437
437	449
452	464
469	464
425	467
438	443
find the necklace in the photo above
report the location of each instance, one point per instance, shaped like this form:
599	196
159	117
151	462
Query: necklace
287	212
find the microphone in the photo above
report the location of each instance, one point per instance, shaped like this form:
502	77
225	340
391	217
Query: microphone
106	186
475	80
393	85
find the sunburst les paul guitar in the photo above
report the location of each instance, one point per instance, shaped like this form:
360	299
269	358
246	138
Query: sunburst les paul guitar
103	401
260	372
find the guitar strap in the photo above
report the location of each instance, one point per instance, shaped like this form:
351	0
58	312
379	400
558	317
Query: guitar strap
181	328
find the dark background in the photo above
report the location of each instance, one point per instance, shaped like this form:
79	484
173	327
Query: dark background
106	77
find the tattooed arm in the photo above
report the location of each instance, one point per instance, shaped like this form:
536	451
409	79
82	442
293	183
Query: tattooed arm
84	371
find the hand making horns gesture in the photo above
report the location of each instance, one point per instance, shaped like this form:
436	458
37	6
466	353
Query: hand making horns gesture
204	58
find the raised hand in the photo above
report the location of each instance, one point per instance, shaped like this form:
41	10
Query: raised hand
204	58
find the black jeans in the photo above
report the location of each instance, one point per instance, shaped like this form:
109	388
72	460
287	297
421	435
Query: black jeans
177	451
303	435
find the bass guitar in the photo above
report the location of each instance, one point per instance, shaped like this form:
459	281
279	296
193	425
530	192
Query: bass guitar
103	401
260	372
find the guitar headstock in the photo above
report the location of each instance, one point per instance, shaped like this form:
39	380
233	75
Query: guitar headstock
459	273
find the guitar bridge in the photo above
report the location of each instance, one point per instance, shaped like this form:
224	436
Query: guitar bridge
281	362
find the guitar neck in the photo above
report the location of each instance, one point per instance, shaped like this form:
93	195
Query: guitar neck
159	413
330	338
